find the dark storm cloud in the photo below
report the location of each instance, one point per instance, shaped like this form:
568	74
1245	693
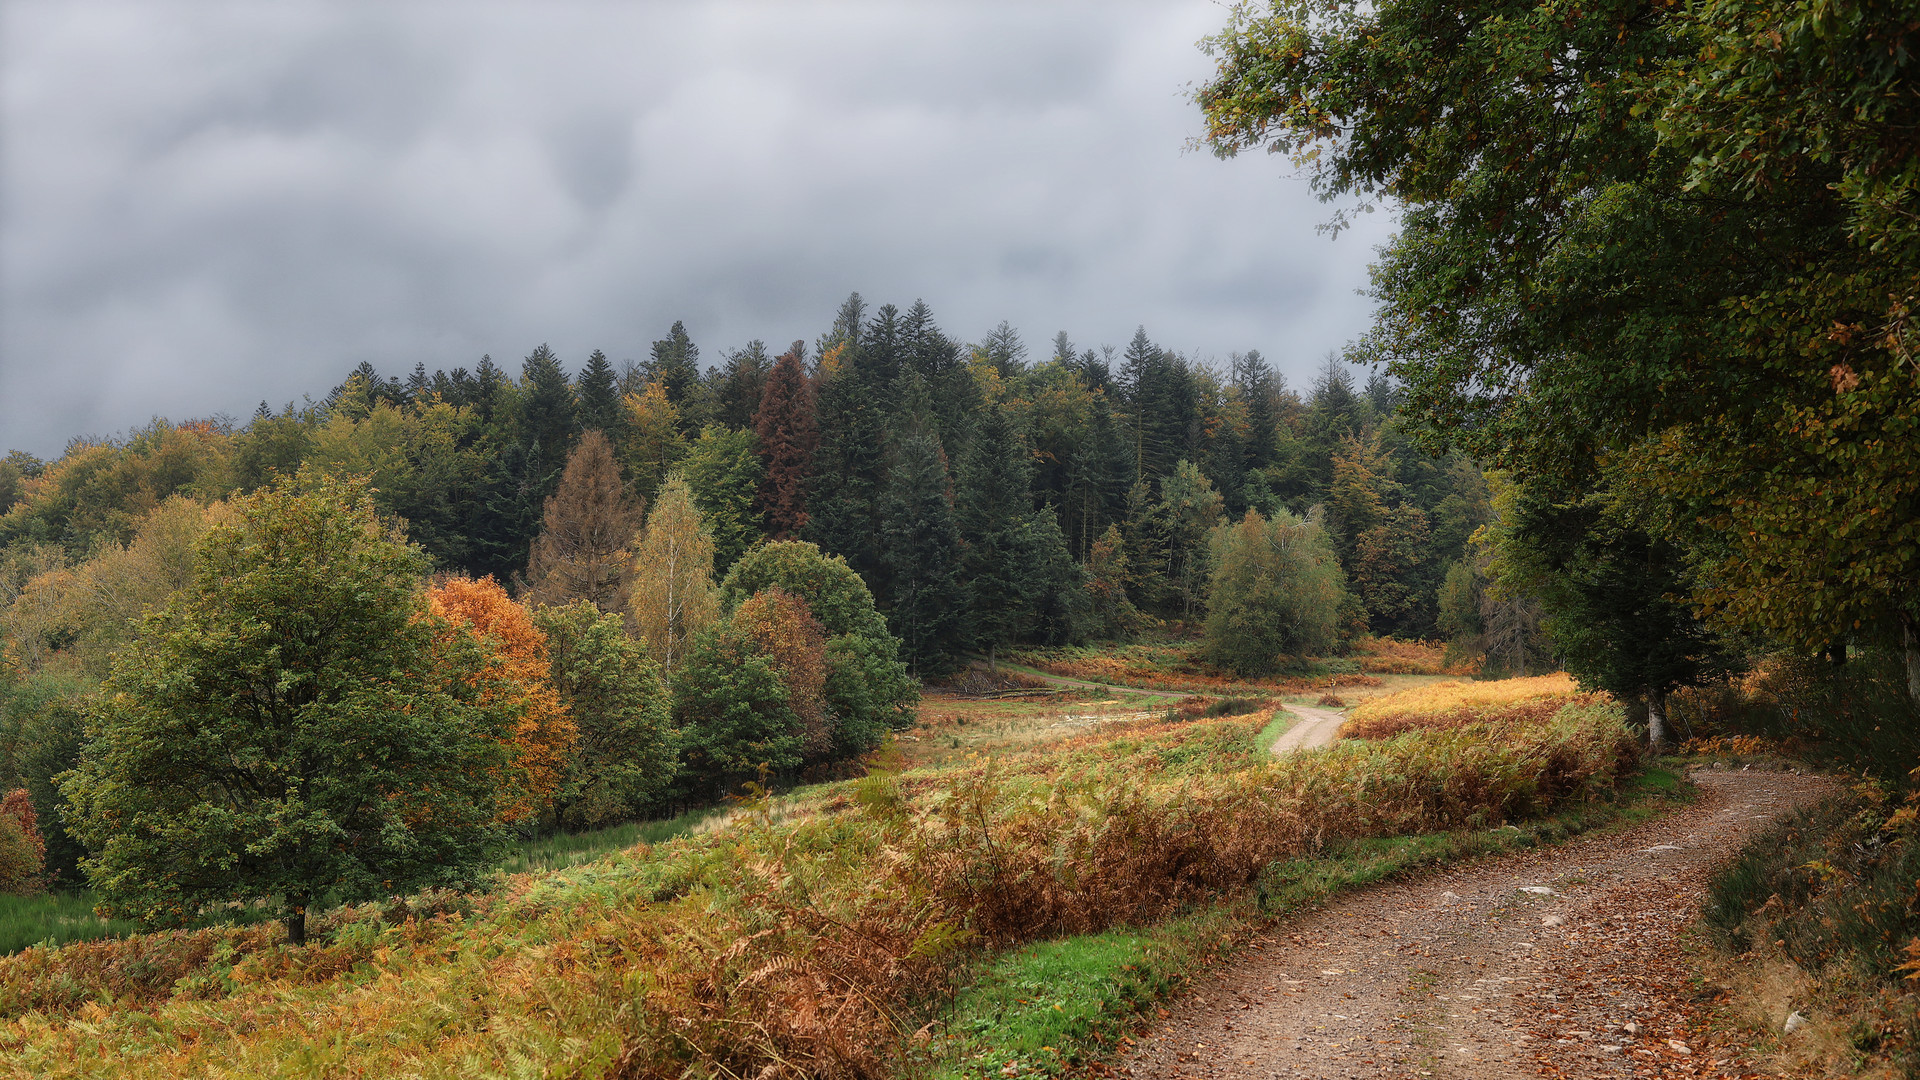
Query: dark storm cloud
202	206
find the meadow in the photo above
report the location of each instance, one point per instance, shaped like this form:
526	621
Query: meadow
1376	666
844	930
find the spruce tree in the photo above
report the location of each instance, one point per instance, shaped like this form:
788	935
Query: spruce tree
788	438
741	382
919	547
547	420
675	365
994	515
598	401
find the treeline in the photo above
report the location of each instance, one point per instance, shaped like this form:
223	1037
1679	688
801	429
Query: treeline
697	578
979	494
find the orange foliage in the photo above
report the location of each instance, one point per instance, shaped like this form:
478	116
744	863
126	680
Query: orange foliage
784	629
544	733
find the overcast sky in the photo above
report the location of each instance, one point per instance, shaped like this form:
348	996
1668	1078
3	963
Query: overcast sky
206	205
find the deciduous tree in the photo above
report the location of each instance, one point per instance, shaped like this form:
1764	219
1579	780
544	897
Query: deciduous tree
584	549
672	596
295	723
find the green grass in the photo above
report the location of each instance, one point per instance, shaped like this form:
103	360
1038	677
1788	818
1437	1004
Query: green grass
1051	1007
563	850
1282	720
58	918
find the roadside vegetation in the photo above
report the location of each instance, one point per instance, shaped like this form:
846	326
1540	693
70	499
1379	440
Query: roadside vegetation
832	933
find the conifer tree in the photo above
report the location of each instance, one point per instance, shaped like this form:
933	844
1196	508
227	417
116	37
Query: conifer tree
675	365
583	552
741	382
919	545
547	422
785	426
994	514
598	404
672	597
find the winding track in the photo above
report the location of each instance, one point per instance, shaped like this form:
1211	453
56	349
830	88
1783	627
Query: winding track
1312	728
1560	962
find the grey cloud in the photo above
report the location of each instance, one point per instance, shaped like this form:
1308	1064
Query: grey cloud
206	205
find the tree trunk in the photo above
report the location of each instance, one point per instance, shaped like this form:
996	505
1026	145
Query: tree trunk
993	664
1910	639
1656	721
297	921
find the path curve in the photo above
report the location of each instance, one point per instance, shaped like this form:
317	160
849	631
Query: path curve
1315	728
1563	962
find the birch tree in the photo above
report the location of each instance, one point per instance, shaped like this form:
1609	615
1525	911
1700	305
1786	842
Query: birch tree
672	597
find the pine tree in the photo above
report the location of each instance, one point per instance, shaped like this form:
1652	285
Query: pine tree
1160	399
672	597
598	401
845	331
492	390
583	552
547	421
1003	349
788	438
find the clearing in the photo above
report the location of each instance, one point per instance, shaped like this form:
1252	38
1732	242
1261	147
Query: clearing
1563	962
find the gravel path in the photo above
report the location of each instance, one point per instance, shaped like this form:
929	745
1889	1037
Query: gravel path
1563	962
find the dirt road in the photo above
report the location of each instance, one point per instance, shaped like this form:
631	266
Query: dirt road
1562	962
1315	727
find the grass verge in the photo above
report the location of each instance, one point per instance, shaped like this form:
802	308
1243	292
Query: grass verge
1053	1007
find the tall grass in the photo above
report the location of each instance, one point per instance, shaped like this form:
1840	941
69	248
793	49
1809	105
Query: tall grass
820	947
54	918
1455	704
560	851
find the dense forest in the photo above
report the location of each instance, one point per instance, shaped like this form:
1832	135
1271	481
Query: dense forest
706	574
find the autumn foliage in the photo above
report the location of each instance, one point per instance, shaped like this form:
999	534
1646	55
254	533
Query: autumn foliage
784	631
544	732
788	438
582	550
23	854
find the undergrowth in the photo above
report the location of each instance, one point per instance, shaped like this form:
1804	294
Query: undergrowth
1830	891
821	946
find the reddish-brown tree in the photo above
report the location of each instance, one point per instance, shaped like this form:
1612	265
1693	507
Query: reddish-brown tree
785	424
582	552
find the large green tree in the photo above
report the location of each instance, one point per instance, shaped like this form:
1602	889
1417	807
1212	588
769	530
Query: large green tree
292	725
1665	250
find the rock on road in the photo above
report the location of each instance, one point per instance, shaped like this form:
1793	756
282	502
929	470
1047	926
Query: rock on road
1555	961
